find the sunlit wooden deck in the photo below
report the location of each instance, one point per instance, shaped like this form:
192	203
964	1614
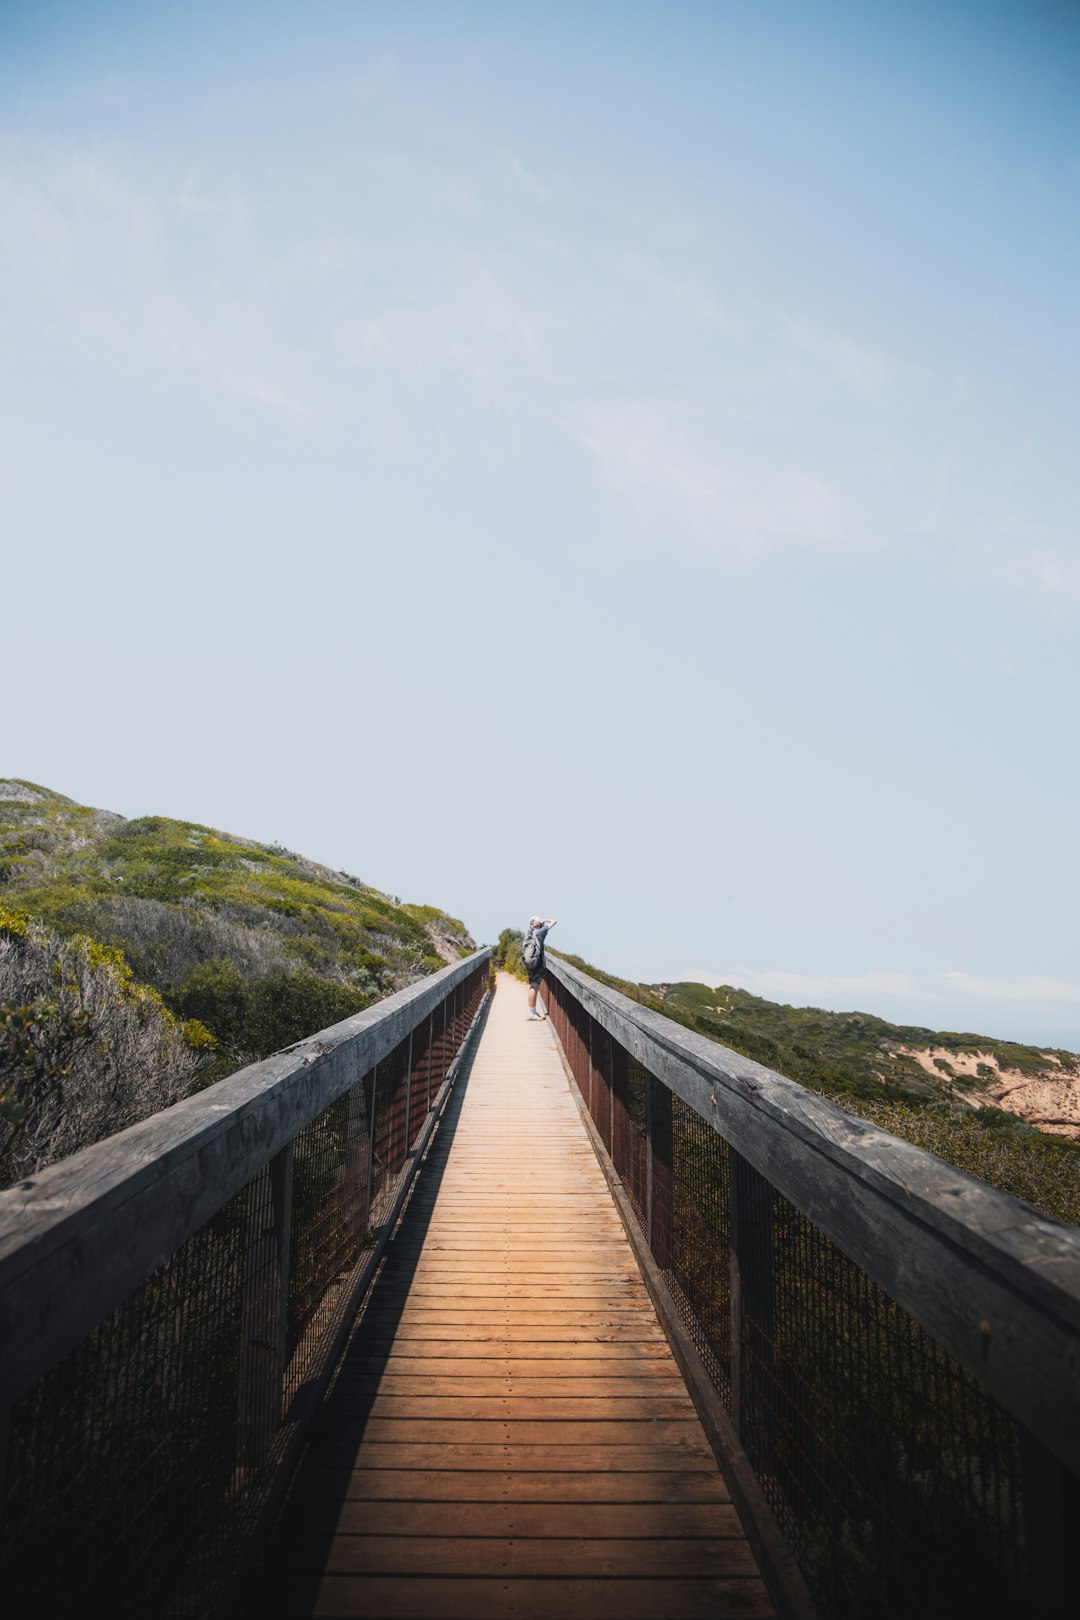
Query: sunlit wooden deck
510	1434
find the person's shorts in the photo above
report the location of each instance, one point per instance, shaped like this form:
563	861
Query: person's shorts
536	980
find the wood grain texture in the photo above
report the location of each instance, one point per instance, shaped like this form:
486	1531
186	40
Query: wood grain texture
500	1598
510	1433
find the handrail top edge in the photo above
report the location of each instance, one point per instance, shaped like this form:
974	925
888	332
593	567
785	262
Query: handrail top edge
99	1173
996	1219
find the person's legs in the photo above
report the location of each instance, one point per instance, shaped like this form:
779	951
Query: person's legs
534	985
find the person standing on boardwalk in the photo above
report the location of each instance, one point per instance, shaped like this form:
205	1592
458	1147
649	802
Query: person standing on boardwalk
532	954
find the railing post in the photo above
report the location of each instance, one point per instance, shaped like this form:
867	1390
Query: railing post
620	1108
600	1089
265	1313
358	1151
601	1097
444	1061
1051	1496
590	1072
371	1107
5	1452
751	1241
407	1127
658	1181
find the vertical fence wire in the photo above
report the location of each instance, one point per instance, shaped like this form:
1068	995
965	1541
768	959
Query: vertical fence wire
420	1093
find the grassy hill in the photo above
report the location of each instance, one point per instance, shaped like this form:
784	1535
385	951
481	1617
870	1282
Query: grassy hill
200	949
936	1089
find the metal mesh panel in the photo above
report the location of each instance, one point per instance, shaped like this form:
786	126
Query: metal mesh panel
122	1455
635	1176
893	1471
600	1055
700	1265
440	1053
420	1091
328	1227
576	1053
389	1127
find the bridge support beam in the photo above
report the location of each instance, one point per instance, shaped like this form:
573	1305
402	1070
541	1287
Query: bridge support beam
751	1289
658	1171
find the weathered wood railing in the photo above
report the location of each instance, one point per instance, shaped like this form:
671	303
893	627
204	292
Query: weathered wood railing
173	1301
886	1350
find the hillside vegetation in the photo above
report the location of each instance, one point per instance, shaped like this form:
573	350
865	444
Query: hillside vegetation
141	959
507	953
867	1066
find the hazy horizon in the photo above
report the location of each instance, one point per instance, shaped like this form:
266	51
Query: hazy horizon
616	461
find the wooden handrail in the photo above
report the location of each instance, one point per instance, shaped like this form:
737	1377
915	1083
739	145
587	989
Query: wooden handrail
77	1238
993	1281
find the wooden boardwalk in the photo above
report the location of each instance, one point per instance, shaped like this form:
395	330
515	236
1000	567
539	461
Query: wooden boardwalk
510	1435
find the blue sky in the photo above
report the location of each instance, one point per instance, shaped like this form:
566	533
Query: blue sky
611	460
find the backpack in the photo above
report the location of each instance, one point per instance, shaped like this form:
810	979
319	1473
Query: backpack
532	953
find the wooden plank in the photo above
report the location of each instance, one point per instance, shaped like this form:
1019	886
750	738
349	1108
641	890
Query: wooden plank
490	1288
526	1333
672	1432
551	1556
554	1407
515	1485
425	1371
481	1314
523	1350
579	1520
396	1384
650	1456
499	1598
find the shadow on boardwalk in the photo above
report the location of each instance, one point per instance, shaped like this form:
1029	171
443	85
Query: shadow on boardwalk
324	1474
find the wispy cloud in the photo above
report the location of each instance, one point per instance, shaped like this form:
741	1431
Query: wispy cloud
712	423
842	358
720	500
1032	988
148	285
804	988
677	295
1041	567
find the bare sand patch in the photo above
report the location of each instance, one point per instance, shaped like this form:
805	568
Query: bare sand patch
1049	1098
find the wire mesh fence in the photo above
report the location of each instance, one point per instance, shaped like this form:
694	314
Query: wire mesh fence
137	1464
895	1476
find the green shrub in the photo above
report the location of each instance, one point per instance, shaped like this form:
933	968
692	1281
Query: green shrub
507	953
85	1050
252	1018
